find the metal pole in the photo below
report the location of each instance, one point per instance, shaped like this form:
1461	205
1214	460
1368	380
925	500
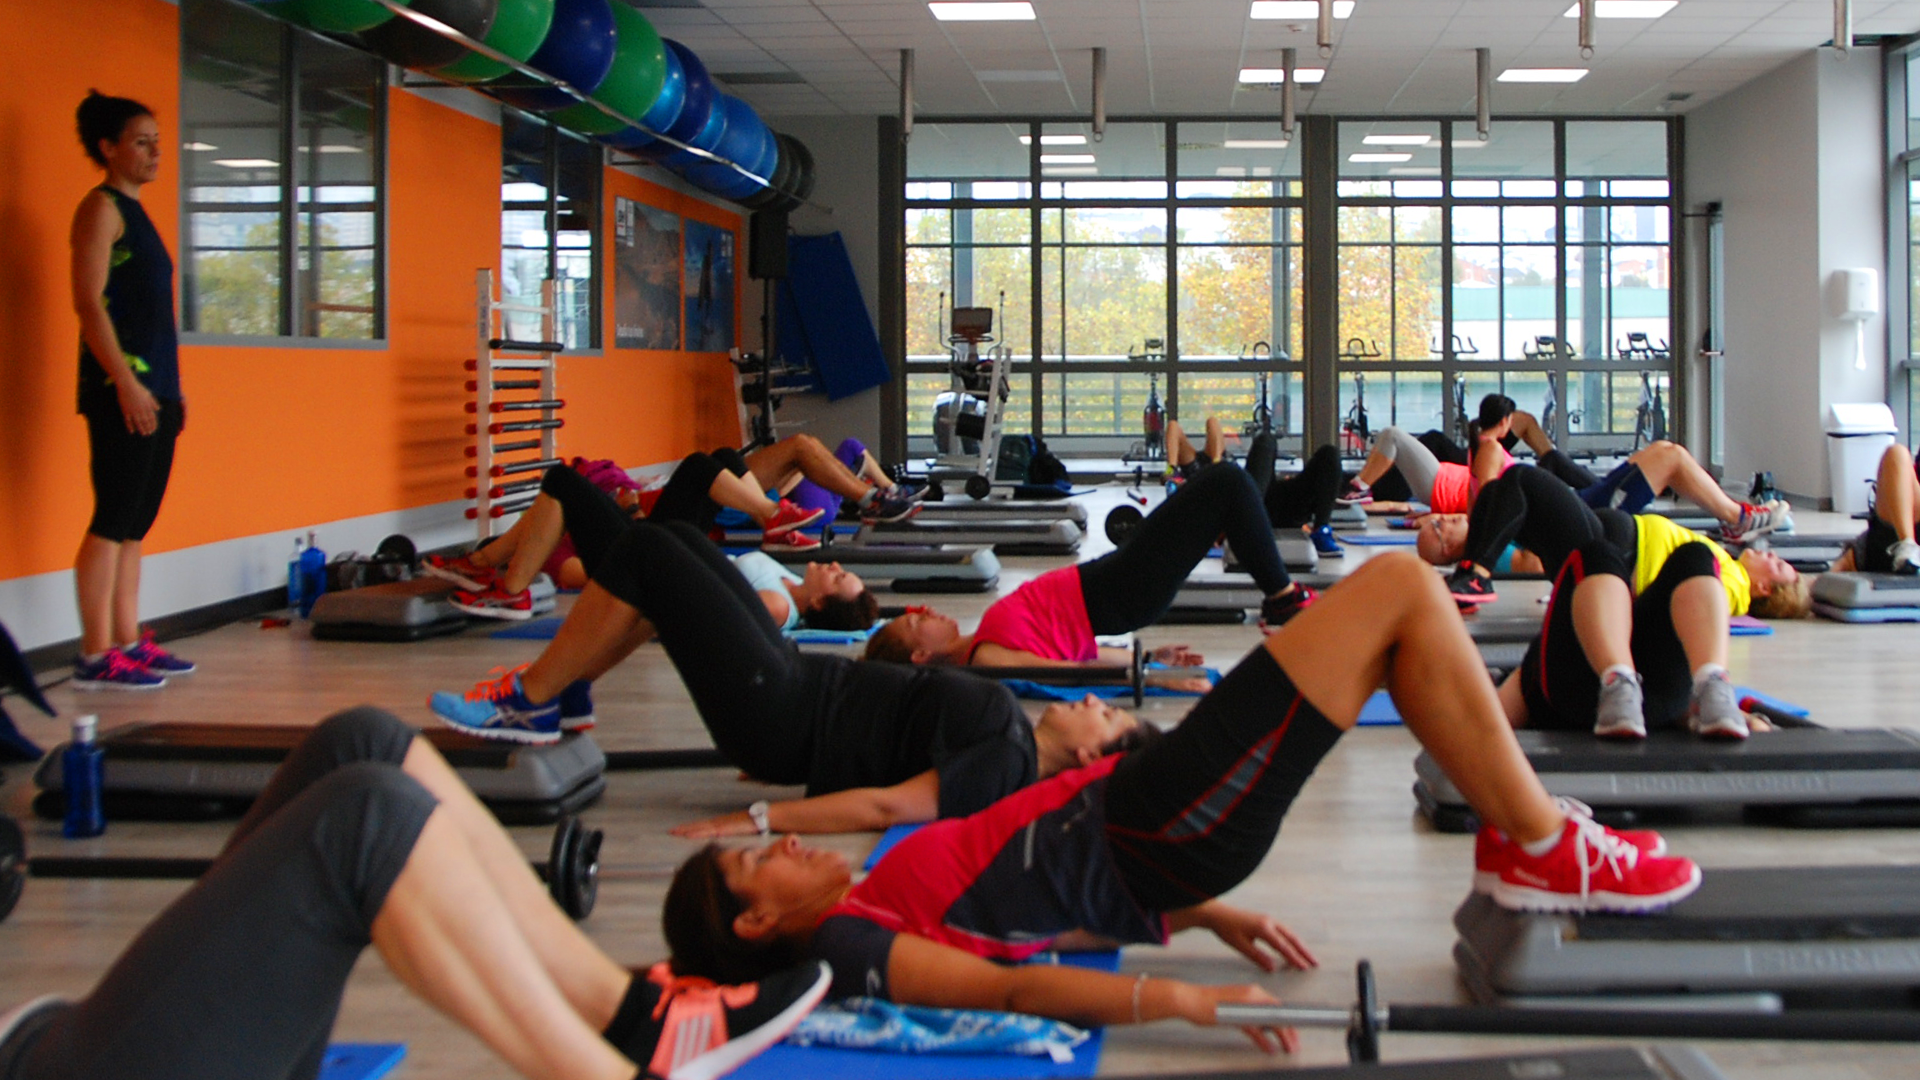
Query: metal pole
1586	28
1288	57
1099	94
906	94
1326	29
1483	92
1843	26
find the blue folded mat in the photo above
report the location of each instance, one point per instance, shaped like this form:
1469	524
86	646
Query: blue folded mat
361	1061
787	1062
545	629
1037	691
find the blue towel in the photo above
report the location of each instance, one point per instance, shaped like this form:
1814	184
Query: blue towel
864	1023
361	1061
545	629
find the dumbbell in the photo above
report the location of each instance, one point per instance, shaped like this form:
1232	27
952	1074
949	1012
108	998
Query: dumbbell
572	869
1132	675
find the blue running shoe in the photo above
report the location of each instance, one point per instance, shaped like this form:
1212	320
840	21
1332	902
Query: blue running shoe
497	709
115	670
576	706
1325	544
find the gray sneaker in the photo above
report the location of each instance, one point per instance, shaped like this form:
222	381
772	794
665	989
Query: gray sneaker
1715	712
1622	712
1905	555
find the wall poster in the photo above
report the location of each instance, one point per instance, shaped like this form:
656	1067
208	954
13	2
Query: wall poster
646	277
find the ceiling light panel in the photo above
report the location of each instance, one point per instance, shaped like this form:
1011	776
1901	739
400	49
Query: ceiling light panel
1256	144
1301	76
1055	140
1543	75
1067	159
1379	158
982	12
1298	9
1397	140
1626	9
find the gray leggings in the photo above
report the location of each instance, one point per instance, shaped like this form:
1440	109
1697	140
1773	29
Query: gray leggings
241	977
1416	463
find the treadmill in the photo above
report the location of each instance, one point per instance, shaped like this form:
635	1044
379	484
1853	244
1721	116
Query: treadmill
1807	776
1769	940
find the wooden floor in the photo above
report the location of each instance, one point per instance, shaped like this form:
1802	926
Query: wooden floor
1355	871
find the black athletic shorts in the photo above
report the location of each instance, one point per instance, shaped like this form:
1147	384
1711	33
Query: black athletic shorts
130	471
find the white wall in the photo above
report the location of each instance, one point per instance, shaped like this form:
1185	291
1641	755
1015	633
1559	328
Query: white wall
1795	159
846	156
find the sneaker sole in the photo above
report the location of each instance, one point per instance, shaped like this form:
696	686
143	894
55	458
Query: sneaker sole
1729	732
101	684
485	612
1475	599
911	511
1522	898
576	724
785	545
519	735
735	1052
1623	734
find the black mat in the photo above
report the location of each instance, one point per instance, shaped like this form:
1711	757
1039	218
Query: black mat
1779	904
1790	749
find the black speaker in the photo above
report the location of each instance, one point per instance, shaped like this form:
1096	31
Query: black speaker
767	245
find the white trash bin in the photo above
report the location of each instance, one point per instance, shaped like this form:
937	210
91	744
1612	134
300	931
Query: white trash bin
1857	435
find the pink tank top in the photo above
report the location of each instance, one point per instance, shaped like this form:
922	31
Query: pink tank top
1046	617
1453	486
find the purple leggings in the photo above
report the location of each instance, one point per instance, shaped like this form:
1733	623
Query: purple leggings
814	497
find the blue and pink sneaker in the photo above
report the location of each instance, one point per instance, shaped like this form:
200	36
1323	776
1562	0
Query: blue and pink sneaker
498	709
115	670
148	654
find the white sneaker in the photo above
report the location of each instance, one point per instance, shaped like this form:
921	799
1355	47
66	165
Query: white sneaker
1906	556
1714	712
1622	710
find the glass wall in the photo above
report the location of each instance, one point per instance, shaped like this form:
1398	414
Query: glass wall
550	225
282	143
1170	258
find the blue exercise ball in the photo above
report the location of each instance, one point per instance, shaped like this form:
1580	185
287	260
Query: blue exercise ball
697	108
578	50
747	143
664	111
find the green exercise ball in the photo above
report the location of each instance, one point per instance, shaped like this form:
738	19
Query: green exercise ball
401	41
519	26
639	71
337	16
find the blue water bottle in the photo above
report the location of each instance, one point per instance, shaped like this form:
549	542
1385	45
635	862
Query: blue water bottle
83	768
295	588
313	575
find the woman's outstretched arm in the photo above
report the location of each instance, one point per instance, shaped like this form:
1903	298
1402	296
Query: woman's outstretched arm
854	810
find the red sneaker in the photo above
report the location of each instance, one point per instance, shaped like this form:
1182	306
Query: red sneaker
462	571
789	517
790	540
1592	868
494	602
1276	611
1486	858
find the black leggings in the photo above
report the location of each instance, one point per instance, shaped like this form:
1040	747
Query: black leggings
1528	507
1561	688
1133	585
1574	474
594	520
241	977
1307	496
686	498
129	471
1193	814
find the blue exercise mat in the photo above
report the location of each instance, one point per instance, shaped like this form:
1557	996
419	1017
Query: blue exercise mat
892	836
1038	691
825	1063
530	630
361	1061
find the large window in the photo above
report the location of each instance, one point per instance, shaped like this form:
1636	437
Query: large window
550	225
282	142
1173	255
1903	251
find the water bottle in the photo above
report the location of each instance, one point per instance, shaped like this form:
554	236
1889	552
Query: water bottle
294	575
82	767
313	575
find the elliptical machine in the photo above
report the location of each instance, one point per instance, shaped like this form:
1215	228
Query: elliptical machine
967	419
1153	419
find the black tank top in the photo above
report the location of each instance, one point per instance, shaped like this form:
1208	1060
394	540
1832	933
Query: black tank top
139	298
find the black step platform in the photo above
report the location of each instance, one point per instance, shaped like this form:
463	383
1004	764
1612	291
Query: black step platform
1785	932
1008	536
190	771
1808	776
942	568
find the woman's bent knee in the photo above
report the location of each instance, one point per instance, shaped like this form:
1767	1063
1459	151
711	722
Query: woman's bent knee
362	733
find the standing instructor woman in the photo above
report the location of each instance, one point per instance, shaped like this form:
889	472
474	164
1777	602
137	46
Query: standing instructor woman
129	392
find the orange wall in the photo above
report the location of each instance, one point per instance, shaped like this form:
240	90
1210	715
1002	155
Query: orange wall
282	437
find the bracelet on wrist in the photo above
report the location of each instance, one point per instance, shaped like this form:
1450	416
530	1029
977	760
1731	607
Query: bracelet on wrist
1139	984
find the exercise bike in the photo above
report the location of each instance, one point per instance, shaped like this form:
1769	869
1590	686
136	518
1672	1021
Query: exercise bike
1356	432
967	419
1650	415
1262	423
1153	419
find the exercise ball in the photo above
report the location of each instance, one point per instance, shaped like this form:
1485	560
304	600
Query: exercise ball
664	110
578	51
696	110
519	26
747	143
777	183
632	83
336	16
411	45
